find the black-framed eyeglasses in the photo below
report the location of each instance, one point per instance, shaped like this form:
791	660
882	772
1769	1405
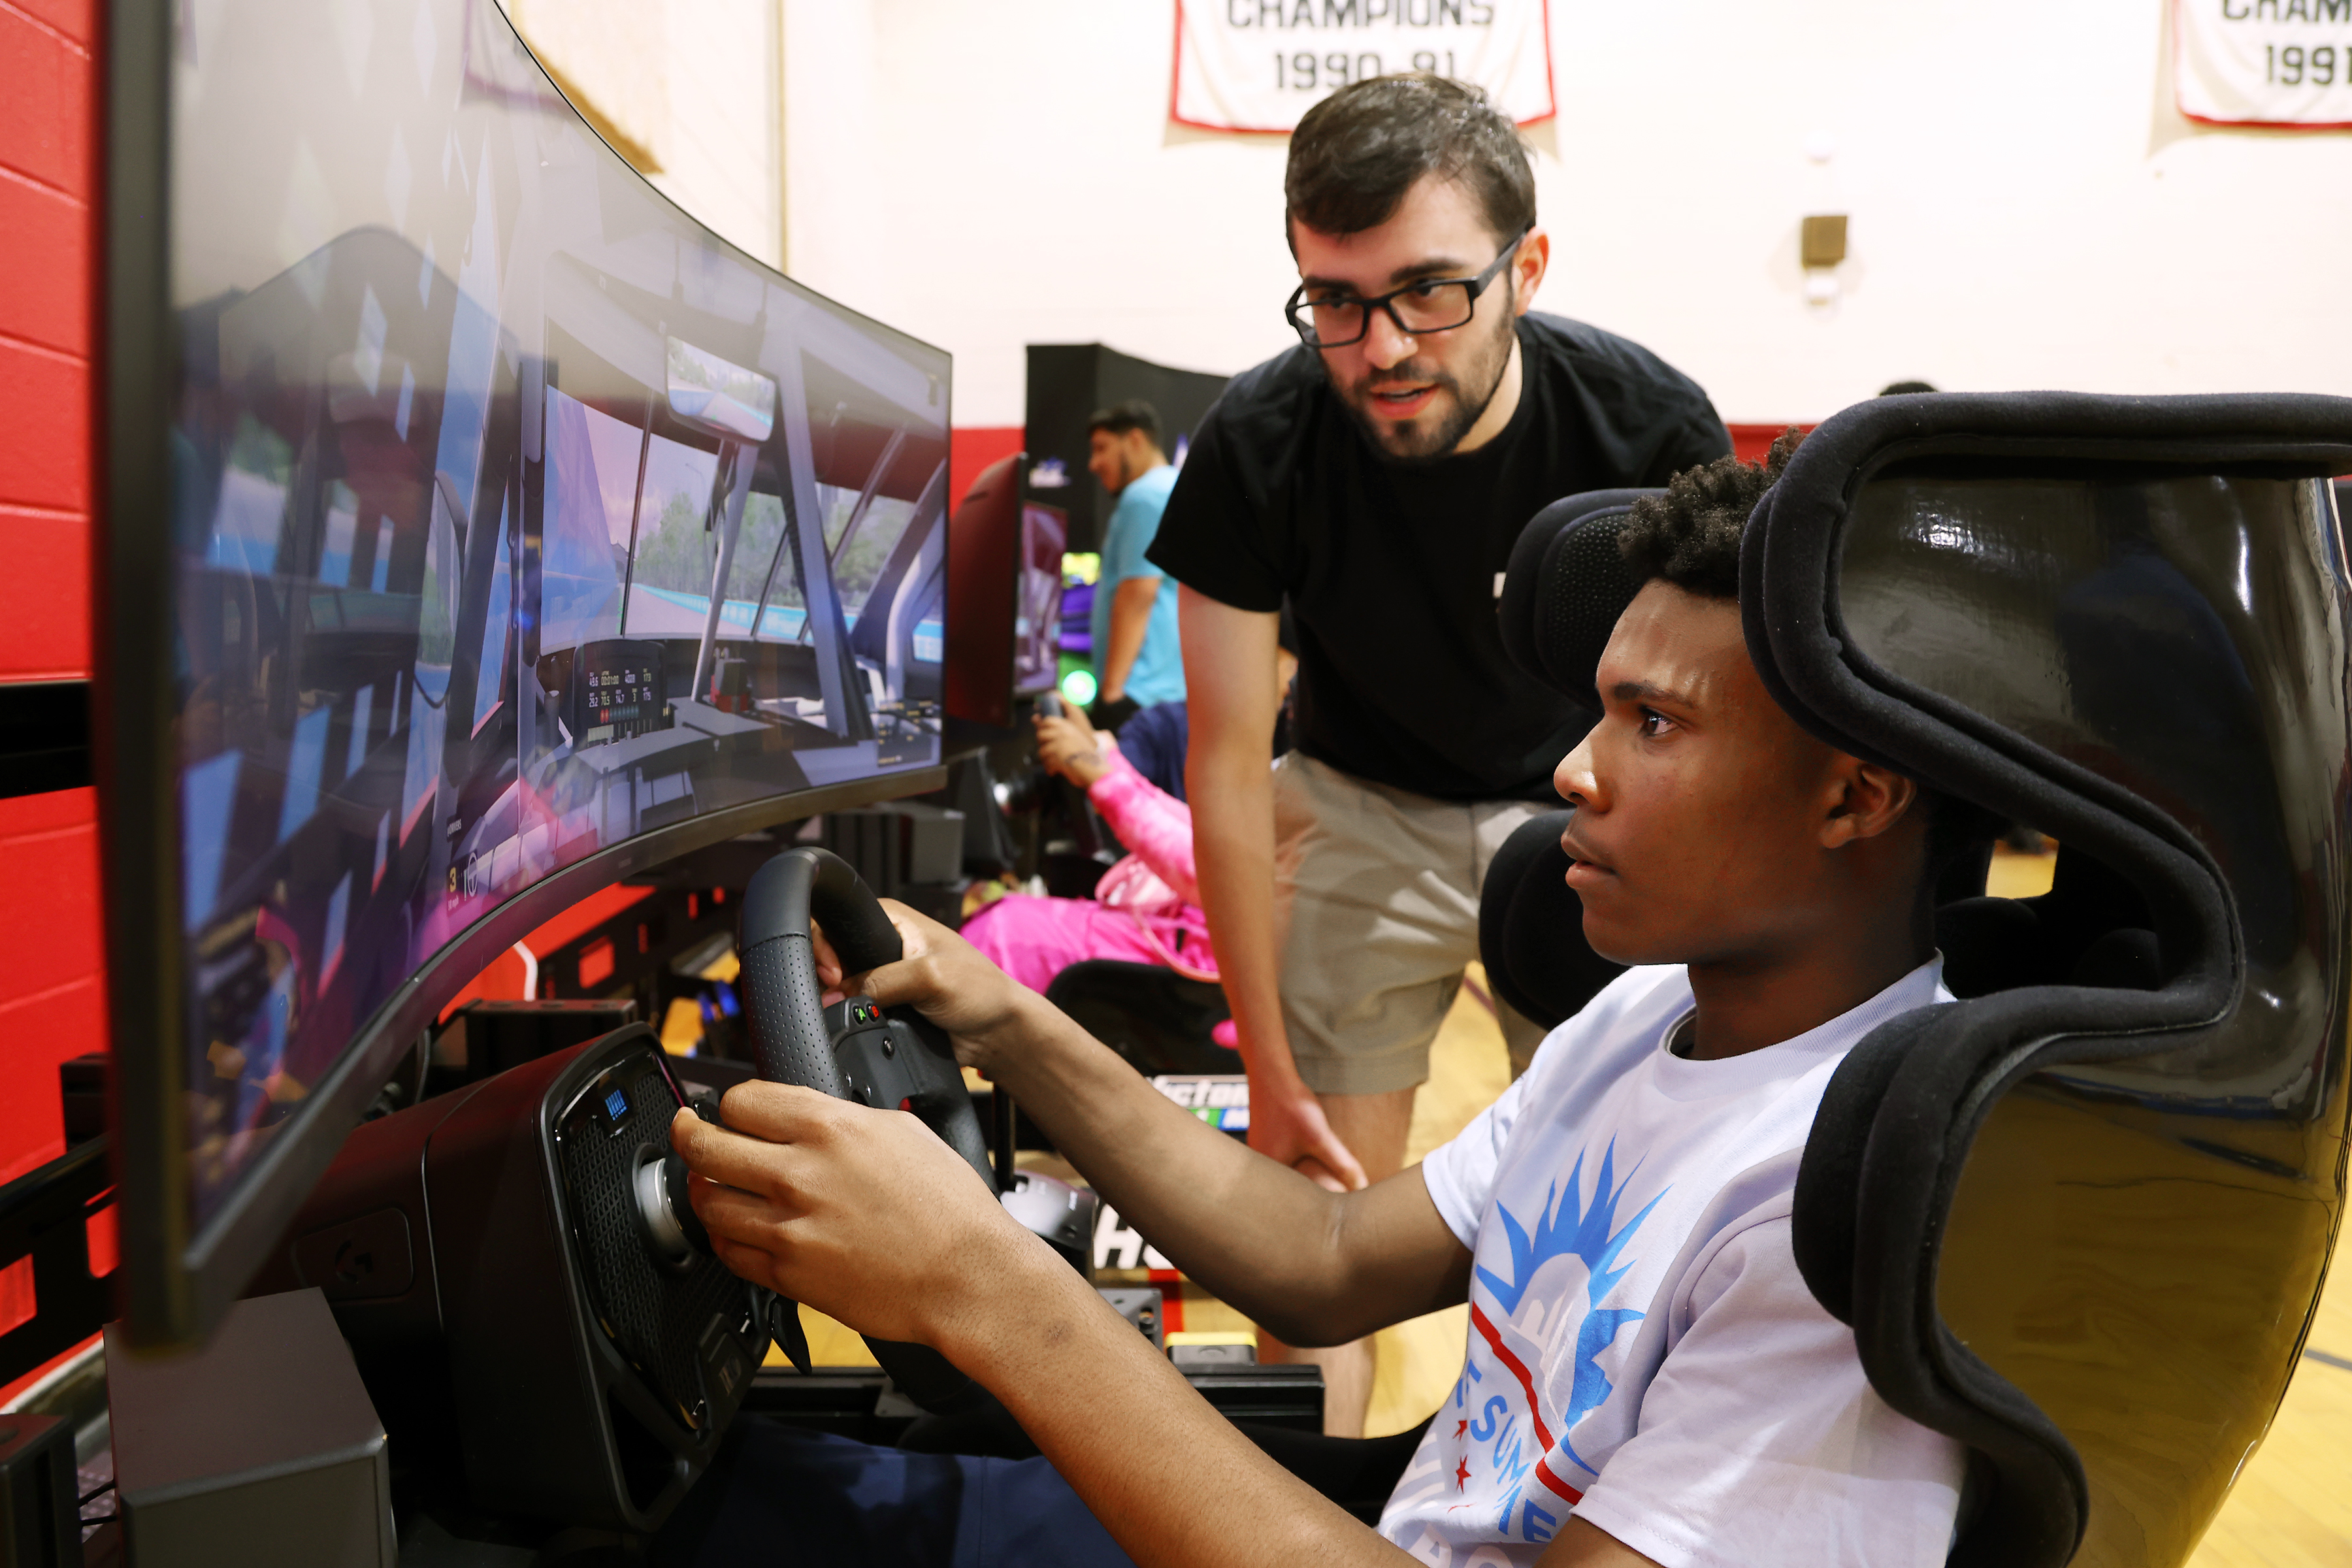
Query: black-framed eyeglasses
1431	305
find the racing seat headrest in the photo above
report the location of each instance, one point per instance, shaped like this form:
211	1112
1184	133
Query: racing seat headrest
1565	588
1564	592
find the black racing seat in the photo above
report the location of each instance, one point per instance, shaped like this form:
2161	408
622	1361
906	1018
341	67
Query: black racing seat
2091	929
1157	1020
1531	928
1566	586
2079	1219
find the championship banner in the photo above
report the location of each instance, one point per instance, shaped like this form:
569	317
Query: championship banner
2265	62
1258	65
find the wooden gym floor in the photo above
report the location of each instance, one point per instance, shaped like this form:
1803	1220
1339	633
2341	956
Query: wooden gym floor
2292	1507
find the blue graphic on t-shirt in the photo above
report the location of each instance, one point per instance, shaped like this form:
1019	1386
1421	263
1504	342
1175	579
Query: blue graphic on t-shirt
1588	1232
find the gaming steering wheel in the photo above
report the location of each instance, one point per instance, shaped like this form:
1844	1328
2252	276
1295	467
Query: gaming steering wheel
854	1049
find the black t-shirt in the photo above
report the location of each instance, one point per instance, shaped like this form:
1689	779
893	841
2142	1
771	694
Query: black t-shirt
1391	573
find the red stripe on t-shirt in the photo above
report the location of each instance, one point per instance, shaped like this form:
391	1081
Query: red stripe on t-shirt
1543	1474
1518	1369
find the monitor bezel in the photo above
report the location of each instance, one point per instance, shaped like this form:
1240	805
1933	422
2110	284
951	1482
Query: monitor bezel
178	1279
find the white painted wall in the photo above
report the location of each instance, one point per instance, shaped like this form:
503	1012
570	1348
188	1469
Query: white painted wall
990	175
696	84
2027	208
722	159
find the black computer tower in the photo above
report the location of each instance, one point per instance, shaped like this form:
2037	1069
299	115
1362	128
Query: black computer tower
1067	381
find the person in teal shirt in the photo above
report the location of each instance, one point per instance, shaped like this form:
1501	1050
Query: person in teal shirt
1136	659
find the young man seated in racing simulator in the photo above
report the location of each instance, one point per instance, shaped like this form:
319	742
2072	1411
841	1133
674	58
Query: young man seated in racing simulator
1647	1380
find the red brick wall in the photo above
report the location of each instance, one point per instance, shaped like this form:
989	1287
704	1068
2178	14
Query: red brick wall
49	1000
47	183
51	1005
1752	443
971	447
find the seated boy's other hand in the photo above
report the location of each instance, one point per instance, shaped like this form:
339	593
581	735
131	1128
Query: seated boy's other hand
940	974
864	1215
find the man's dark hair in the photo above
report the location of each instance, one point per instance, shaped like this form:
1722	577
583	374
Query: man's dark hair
1690	536
1120	417
1897	388
1356	155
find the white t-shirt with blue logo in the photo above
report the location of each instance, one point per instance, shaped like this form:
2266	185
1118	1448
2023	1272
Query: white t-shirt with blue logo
1642	1352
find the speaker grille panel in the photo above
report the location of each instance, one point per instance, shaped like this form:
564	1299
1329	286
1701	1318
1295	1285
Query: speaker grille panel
655	1316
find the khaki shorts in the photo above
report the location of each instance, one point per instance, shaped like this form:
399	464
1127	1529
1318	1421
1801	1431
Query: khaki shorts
1376	910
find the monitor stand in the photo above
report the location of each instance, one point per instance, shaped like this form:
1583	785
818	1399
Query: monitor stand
262	1447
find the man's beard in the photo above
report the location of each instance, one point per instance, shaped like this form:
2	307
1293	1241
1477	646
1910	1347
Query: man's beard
1431	436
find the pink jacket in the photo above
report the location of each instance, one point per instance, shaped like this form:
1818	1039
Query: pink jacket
1156	883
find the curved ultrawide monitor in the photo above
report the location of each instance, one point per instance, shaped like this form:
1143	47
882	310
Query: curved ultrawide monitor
479	528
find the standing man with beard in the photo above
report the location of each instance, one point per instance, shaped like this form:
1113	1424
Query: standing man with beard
1377	476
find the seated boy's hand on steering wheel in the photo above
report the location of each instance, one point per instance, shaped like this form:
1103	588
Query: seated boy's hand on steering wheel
862	1214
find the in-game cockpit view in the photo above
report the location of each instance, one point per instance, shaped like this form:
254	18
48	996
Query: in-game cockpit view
516	516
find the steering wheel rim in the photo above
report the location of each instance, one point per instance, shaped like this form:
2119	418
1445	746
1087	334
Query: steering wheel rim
784	1011
778	907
